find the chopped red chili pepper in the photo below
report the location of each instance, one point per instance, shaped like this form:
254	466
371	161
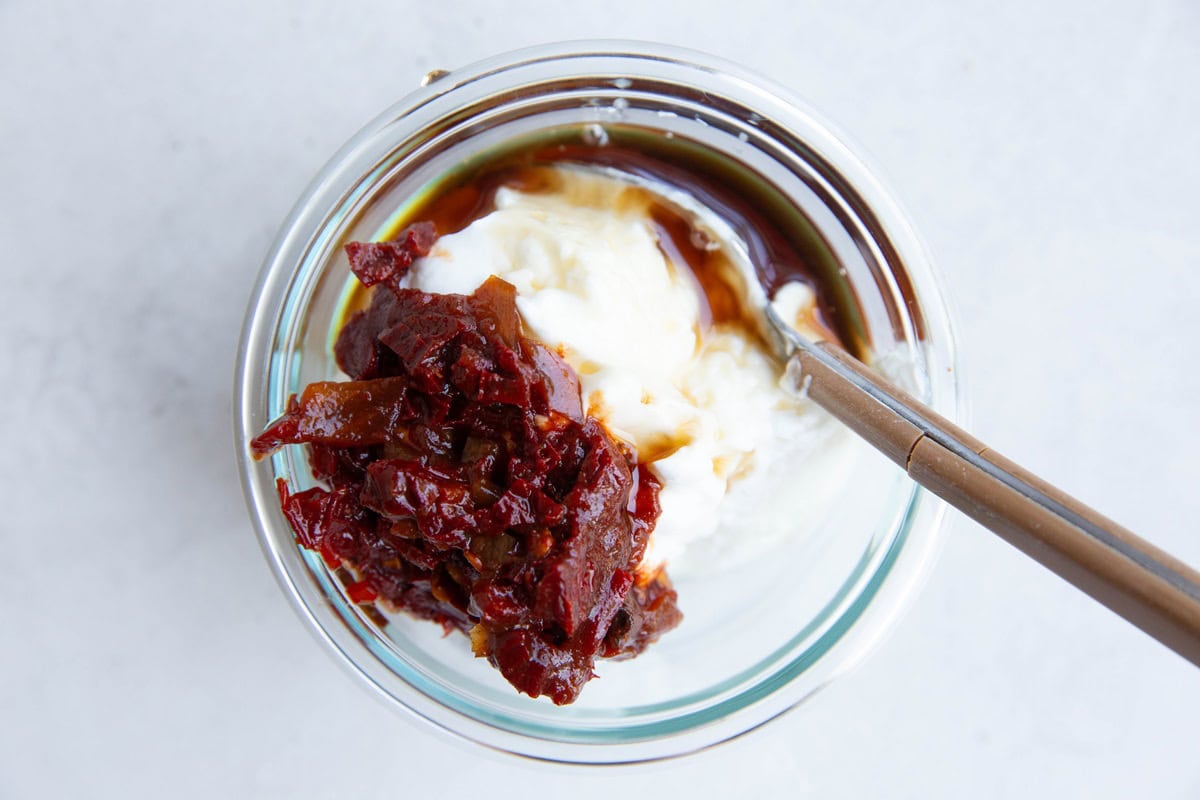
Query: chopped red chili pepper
468	487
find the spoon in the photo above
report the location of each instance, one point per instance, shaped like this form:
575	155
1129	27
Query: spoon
1148	587
1153	590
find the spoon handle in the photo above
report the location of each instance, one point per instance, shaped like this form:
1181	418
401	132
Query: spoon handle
1148	587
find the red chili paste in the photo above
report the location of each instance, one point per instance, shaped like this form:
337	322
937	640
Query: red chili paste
467	486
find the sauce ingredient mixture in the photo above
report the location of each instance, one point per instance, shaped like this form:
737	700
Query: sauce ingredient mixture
564	359
644	297
467	486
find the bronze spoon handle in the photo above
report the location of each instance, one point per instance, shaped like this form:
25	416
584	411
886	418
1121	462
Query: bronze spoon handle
1146	586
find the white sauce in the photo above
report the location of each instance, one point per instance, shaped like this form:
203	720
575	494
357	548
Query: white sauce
740	453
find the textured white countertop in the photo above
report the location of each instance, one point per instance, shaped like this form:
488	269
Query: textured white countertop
148	153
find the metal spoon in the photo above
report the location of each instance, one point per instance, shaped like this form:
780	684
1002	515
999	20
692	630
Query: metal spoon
1151	589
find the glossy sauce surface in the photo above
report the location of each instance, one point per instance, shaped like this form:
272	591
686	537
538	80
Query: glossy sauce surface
777	248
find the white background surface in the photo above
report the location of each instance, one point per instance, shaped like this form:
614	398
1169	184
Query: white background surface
148	152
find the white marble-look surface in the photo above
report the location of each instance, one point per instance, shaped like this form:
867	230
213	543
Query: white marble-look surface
148	151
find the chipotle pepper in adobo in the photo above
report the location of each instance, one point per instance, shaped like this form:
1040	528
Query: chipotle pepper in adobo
467	486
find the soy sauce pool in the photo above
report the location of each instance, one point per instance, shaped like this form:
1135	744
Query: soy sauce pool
779	241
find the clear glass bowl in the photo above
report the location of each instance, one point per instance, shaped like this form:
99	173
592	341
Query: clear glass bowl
759	637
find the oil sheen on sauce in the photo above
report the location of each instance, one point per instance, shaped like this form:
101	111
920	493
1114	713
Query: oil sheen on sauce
779	255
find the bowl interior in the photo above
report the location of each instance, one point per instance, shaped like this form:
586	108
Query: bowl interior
759	634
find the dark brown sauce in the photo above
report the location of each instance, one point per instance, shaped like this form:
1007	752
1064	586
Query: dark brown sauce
777	254
683	243
719	280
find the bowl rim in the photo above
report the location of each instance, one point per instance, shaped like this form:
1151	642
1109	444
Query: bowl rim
331	626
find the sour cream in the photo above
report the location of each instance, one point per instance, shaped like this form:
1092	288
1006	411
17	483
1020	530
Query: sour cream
742	456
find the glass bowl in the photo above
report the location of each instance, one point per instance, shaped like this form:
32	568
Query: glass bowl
758	636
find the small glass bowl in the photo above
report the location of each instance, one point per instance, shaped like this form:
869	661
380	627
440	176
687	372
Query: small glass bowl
758	637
